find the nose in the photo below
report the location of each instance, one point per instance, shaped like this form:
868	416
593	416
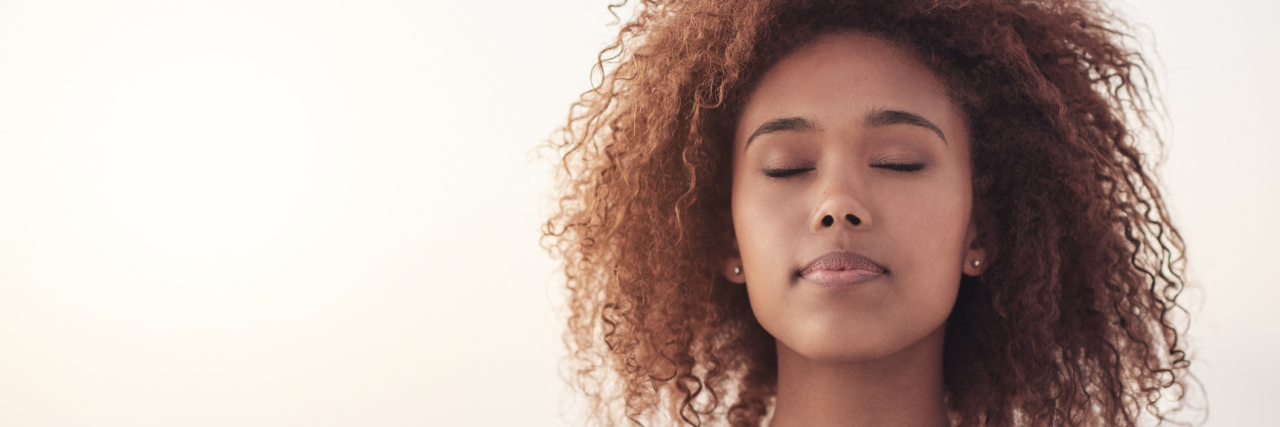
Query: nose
828	220
841	209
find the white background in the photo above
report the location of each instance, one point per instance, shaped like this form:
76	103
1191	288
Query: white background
267	213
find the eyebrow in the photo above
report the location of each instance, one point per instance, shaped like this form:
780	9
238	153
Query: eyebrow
792	124
876	118
881	118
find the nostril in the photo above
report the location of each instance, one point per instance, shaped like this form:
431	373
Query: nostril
828	220
853	219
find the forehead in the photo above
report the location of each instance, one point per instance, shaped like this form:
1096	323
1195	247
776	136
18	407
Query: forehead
843	75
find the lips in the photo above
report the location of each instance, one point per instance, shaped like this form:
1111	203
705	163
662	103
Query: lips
841	269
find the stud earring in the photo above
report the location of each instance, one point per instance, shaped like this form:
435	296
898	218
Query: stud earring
737	270
976	263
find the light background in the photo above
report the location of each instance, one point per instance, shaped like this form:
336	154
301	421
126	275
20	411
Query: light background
269	213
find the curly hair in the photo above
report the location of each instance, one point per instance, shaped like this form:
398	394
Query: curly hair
1075	322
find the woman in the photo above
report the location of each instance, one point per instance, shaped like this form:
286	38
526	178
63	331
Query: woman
923	213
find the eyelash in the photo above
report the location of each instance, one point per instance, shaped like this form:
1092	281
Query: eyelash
897	167
786	172
900	167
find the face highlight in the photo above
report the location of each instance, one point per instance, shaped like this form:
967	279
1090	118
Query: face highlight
851	200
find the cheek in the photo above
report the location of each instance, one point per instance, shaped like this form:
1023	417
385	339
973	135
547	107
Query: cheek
928	229
766	223
769	225
930	218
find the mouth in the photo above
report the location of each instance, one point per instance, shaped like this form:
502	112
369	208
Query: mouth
841	269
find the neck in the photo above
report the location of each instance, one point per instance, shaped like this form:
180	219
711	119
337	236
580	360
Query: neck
903	389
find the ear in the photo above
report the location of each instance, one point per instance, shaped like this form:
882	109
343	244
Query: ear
977	244
731	267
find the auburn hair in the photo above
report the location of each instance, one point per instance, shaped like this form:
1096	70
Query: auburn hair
1075	320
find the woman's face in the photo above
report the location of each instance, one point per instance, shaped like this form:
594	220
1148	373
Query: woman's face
851	200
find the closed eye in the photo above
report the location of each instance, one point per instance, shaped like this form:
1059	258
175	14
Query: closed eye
900	167
786	172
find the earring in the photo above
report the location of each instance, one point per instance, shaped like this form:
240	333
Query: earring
737	270
976	263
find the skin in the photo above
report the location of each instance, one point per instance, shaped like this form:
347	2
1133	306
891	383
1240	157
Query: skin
852	126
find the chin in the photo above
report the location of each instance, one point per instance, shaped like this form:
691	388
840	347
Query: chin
841	351
842	346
